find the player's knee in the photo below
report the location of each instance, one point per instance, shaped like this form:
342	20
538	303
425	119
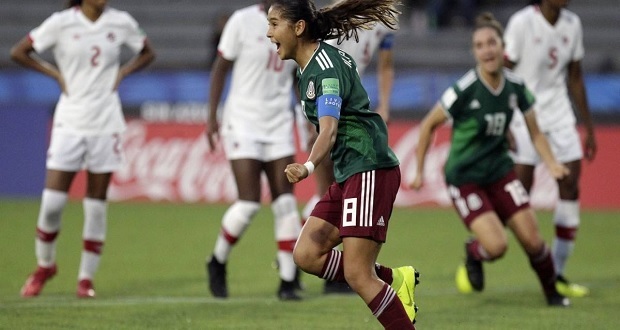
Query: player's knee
497	250
238	216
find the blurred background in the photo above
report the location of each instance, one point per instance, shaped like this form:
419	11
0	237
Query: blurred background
432	49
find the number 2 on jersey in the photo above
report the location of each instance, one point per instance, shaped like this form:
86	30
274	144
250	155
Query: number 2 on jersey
94	60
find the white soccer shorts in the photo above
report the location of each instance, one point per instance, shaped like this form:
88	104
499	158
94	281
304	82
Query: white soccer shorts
72	153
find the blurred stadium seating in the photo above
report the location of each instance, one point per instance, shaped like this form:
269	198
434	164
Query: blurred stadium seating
180	31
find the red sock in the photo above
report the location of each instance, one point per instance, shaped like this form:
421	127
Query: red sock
388	309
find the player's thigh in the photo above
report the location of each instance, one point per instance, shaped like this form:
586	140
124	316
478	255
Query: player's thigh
66	152
104	153
247	173
490	232
565	143
278	183
367	203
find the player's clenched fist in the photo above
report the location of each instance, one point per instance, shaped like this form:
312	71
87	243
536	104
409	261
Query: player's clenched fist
296	172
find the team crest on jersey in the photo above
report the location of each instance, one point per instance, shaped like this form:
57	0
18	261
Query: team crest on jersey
512	101
111	36
310	93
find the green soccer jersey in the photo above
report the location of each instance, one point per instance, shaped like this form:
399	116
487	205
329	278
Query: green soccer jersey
361	142
480	118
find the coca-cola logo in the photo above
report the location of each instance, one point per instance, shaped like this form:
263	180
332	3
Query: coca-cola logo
171	162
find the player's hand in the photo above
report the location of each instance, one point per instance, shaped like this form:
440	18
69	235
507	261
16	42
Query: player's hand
296	172
213	134
558	171
417	183
590	147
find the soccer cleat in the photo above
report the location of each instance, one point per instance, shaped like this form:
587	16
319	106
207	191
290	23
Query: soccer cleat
286	292
404	281
470	276
35	282
571	290
558	300
217	278
337	287
296	281
85	289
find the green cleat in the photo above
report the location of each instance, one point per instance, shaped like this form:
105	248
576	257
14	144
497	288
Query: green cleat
571	290
404	282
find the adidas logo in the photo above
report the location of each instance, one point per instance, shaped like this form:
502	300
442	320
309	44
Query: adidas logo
475	104
381	222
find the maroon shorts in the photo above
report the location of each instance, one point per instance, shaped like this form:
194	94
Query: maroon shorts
504	197
362	205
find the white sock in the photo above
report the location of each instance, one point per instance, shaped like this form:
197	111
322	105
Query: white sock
50	212
287	226
93	234
235	221
566	219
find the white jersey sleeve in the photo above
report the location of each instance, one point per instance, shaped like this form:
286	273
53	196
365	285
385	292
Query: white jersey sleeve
230	43
46	35
135	36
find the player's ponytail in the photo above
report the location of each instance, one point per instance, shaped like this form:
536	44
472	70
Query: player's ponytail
340	20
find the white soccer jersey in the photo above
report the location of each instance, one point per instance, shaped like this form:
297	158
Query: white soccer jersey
542	52
258	104
369	41
88	56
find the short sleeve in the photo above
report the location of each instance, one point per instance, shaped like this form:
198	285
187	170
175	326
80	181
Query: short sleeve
46	35
135	35
579	51
230	40
513	39
449	102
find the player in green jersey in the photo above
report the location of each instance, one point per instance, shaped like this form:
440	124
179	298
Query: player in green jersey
479	171
357	207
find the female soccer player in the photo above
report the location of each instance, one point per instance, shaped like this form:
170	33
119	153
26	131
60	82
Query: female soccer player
544	45
379	39
86	39
357	207
257	132
484	188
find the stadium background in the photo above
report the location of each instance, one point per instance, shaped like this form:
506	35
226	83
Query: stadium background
165	104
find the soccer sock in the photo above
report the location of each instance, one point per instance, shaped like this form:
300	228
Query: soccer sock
93	235
542	263
287	226
48	226
388	309
333	269
384	273
235	221
310	206
566	220
475	249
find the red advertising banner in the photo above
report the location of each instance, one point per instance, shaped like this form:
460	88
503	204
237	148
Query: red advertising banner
172	162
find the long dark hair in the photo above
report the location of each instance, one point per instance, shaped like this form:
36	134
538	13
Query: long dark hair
340	20
73	3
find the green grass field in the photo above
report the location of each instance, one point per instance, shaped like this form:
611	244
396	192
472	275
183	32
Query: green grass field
152	275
